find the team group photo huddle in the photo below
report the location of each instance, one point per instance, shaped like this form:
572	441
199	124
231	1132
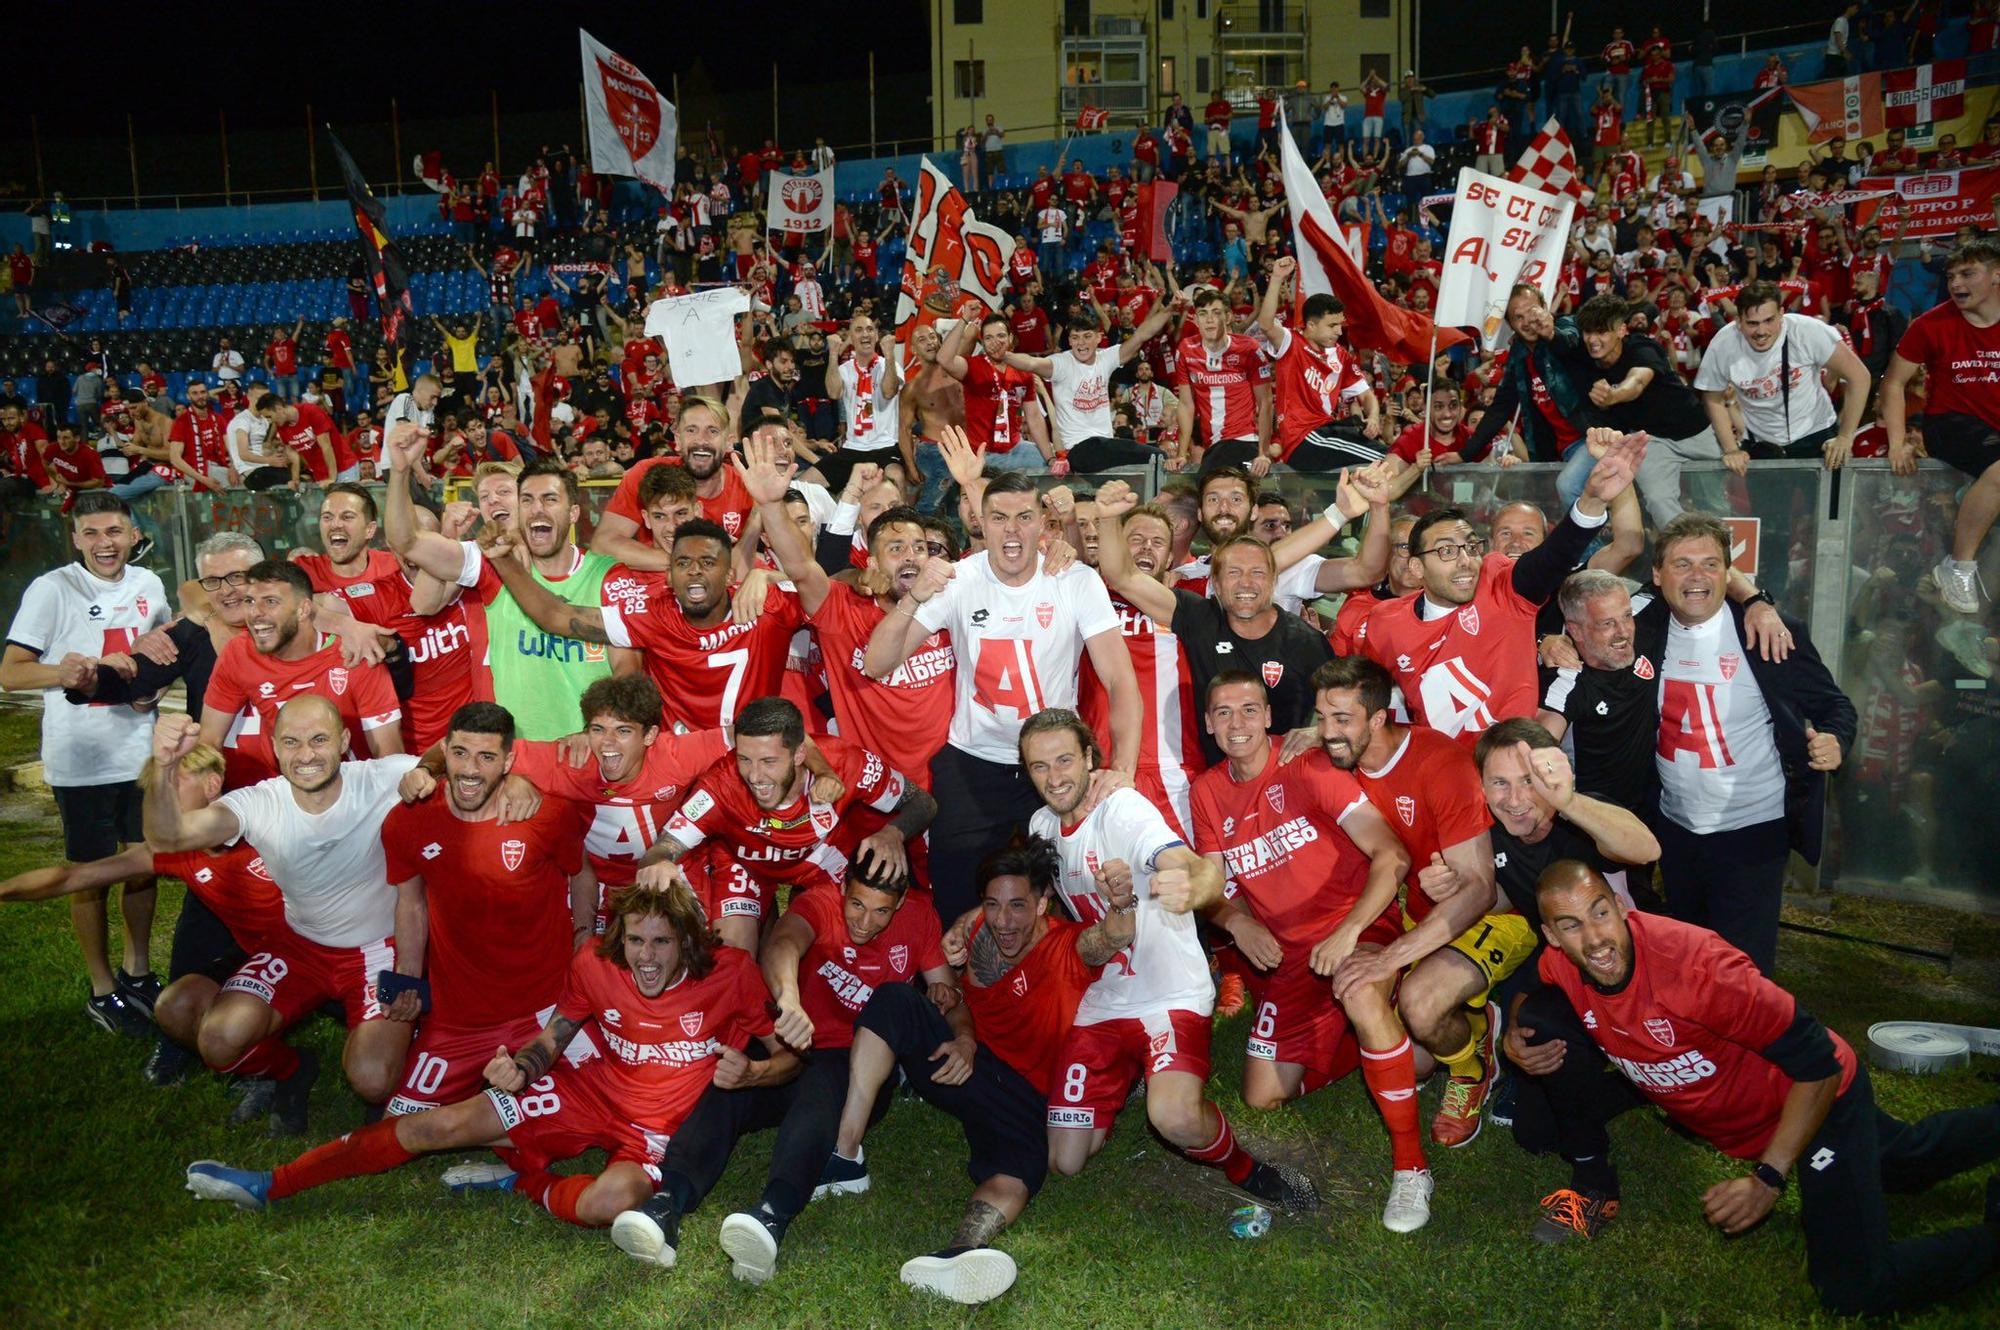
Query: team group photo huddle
843	695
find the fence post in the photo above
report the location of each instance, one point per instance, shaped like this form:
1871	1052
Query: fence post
494	96
871	102
35	133
223	119
132	152
312	153
396	142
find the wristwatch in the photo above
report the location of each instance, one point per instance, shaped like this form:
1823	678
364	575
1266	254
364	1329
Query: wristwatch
1767	1175
1761	598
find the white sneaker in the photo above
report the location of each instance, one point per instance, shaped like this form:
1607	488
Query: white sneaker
753	1252
1958	585
1409	1205
642	1237
969	1275
483	1176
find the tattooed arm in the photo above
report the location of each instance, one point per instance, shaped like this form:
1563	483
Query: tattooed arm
514	1073
550	613
1107	937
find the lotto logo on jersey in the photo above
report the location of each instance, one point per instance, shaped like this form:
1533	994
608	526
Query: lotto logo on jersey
691	1023
204	875
1468	619
512	852
433	850
1642	667
1662	1031
1274	670
1406	808
899	958
336	679
1045	614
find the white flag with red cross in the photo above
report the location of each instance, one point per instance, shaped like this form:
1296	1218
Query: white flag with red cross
633	128
1549	164
801	204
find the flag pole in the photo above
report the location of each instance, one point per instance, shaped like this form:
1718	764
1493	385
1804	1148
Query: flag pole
1430	378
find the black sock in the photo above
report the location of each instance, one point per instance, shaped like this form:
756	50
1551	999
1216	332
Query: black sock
1594	1175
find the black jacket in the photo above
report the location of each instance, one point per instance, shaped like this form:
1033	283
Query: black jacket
1798	691
193	665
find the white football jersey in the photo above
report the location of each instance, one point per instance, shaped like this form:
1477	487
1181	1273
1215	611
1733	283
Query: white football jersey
1164	968
71	609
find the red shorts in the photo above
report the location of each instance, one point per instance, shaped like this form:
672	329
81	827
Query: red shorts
721	884
1296	1019
1100	1063
295	975
566	1113
447	1065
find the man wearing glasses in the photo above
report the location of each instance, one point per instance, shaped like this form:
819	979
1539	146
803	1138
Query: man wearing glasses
1463	652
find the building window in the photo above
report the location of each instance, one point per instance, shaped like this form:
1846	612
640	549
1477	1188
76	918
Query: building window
968	79
1169	85
1166	11
1201	8
967	12
1201	73
1374	9
1076	18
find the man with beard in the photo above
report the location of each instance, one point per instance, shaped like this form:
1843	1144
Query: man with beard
1002	406
1350	625
1148	1015
706	663
906	717
866	384
1312	873
779	387
1020	634
195	444
674	1012
701	438
932	401
476	899
761	805
1227	506
277	658
318	827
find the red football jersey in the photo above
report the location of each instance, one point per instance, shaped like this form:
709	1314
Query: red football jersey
447	652
200	437
73	468
1024	1017
1224	386
729	509
1689	1029
302	437
836	978
1169	731
804	844
705	674
995	396
380	567
234	884
905	717
23	450
660	1051
498	903
1430	794
626	817
1280	839
251	687
1462	672
1314	386
1962	363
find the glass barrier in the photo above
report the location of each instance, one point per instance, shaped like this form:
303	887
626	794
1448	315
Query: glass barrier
1912	813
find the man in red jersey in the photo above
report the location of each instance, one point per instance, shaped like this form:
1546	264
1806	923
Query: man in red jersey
1464	651
476	899
1312	875
348	521
1317	384
1735	1060
706	662
1958	345
232	910
1462	938
1001	406
701	439
278	658
1025	972
1225	403
827	957
760	805
195	443
906	716
22	443
322	449
673	1012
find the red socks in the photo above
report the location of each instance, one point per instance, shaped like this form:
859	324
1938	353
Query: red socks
1224	1153
370	1149
1392	1078
560	1200
273	1059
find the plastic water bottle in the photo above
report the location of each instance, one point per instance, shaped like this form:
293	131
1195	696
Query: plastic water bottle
1250	1221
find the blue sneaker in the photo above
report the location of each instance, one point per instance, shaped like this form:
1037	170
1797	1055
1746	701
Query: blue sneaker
488	1176
843	1176
241	1187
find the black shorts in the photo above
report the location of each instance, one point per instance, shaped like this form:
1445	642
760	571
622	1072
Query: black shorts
838	466
1002	1115
1229	452
1329	446
97	819
203	944
1966	442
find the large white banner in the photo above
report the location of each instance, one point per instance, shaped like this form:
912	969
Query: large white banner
1503	234
633	128
955	264
801	204
700	333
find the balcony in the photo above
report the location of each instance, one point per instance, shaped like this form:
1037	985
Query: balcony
1238	20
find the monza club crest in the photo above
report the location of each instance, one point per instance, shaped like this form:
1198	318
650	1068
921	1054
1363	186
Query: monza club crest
1045	614
899	958
691	1023
512	852
1406	808
1274	670
336	679
1662	1031
1274	795
1468	619
634	108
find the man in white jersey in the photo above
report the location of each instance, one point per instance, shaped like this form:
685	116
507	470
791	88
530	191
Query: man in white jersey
866	384
318	826
1744	748
1149	1013
1020	636
1080	388
77	615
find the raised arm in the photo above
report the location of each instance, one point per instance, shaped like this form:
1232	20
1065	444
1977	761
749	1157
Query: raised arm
1114	557
167	828
768	475
1267	313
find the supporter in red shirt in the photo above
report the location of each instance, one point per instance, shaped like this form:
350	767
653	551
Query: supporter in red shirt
23	442
1030	323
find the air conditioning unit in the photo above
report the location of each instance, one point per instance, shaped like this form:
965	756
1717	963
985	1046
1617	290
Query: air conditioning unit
1118	27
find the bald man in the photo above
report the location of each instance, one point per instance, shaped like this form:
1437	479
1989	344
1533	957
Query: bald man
318	826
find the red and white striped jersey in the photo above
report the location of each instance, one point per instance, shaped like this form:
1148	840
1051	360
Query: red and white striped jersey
1223	384
1170	753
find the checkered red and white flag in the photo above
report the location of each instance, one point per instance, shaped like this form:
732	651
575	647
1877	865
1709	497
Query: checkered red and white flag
1549	164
